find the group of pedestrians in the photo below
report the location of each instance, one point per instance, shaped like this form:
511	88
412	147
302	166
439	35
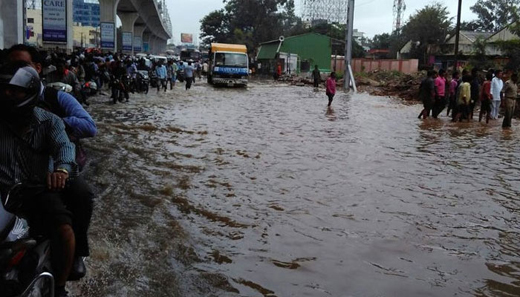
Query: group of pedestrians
462	93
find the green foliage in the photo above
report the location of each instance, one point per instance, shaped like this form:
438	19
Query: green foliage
511	49
494	15
250	22
428	26
381	41
479	58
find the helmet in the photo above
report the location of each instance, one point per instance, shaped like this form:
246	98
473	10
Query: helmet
20	88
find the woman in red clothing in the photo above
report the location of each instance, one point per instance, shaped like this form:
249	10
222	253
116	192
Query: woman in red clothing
331	87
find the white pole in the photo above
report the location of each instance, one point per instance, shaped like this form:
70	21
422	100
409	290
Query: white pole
348	45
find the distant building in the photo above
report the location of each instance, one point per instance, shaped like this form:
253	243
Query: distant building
295	54
83	36
86	12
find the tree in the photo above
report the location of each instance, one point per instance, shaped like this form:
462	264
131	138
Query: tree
427	28
215	27
494	15
250	22
381	41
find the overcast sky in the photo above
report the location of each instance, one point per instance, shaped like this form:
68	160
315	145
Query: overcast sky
371	16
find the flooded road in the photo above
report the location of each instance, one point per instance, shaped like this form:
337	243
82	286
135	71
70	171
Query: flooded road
266	192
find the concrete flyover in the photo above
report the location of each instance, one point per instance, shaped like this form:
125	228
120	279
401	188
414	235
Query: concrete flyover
147	21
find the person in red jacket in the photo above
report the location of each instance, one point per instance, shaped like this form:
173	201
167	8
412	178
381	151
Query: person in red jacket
331	87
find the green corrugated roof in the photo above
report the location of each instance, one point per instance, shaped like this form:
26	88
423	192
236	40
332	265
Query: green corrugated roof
267	51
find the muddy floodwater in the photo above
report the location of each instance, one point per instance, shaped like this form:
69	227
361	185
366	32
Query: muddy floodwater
266	192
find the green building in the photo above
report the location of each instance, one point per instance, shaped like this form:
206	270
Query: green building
296	54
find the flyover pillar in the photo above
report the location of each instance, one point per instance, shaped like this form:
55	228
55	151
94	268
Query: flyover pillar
147	36
108	11
138	35
127	25
11	23
153	48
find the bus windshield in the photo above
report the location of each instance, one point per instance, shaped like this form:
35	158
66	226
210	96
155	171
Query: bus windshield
231	59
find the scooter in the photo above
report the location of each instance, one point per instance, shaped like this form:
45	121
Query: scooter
25	262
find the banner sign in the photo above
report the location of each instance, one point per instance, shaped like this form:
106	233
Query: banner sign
146	47
54	20
137	43
108	35
127	41
186	38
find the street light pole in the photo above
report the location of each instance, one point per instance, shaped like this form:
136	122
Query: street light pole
348	45
457	33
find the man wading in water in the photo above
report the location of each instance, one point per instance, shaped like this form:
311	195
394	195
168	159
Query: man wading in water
427	94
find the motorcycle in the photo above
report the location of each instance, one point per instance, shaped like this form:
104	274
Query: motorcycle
154	80
180	75
25	262
89	88
143	81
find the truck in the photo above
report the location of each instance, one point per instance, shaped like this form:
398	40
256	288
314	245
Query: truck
228	65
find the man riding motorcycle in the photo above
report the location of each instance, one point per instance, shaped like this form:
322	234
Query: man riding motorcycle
31	138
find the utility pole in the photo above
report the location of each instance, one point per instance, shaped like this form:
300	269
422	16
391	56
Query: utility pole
348	45
457	32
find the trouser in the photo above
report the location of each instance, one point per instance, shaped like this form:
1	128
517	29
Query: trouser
162	84
79	200
495	109
438	106
331	97
510	110
316	83
188	82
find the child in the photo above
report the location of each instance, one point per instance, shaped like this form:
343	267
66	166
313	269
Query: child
331	87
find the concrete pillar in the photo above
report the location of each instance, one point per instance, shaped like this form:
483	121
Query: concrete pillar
127	25
138	34
11	23
107	11
154	44
146	39
70	23
161	45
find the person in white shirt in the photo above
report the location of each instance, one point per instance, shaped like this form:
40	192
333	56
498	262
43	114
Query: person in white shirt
496	88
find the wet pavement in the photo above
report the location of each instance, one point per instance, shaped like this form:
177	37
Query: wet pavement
266	192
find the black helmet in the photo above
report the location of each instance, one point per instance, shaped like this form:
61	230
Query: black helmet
20	88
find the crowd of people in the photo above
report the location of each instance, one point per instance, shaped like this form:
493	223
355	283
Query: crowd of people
463	92
41	128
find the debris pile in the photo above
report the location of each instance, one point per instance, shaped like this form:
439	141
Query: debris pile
390	83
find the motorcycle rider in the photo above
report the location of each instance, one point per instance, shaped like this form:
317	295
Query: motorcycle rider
79	124
64	75
30	139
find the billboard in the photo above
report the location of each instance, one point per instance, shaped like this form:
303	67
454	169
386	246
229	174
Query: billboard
137	43
186	38
108	35
127	41
54	21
